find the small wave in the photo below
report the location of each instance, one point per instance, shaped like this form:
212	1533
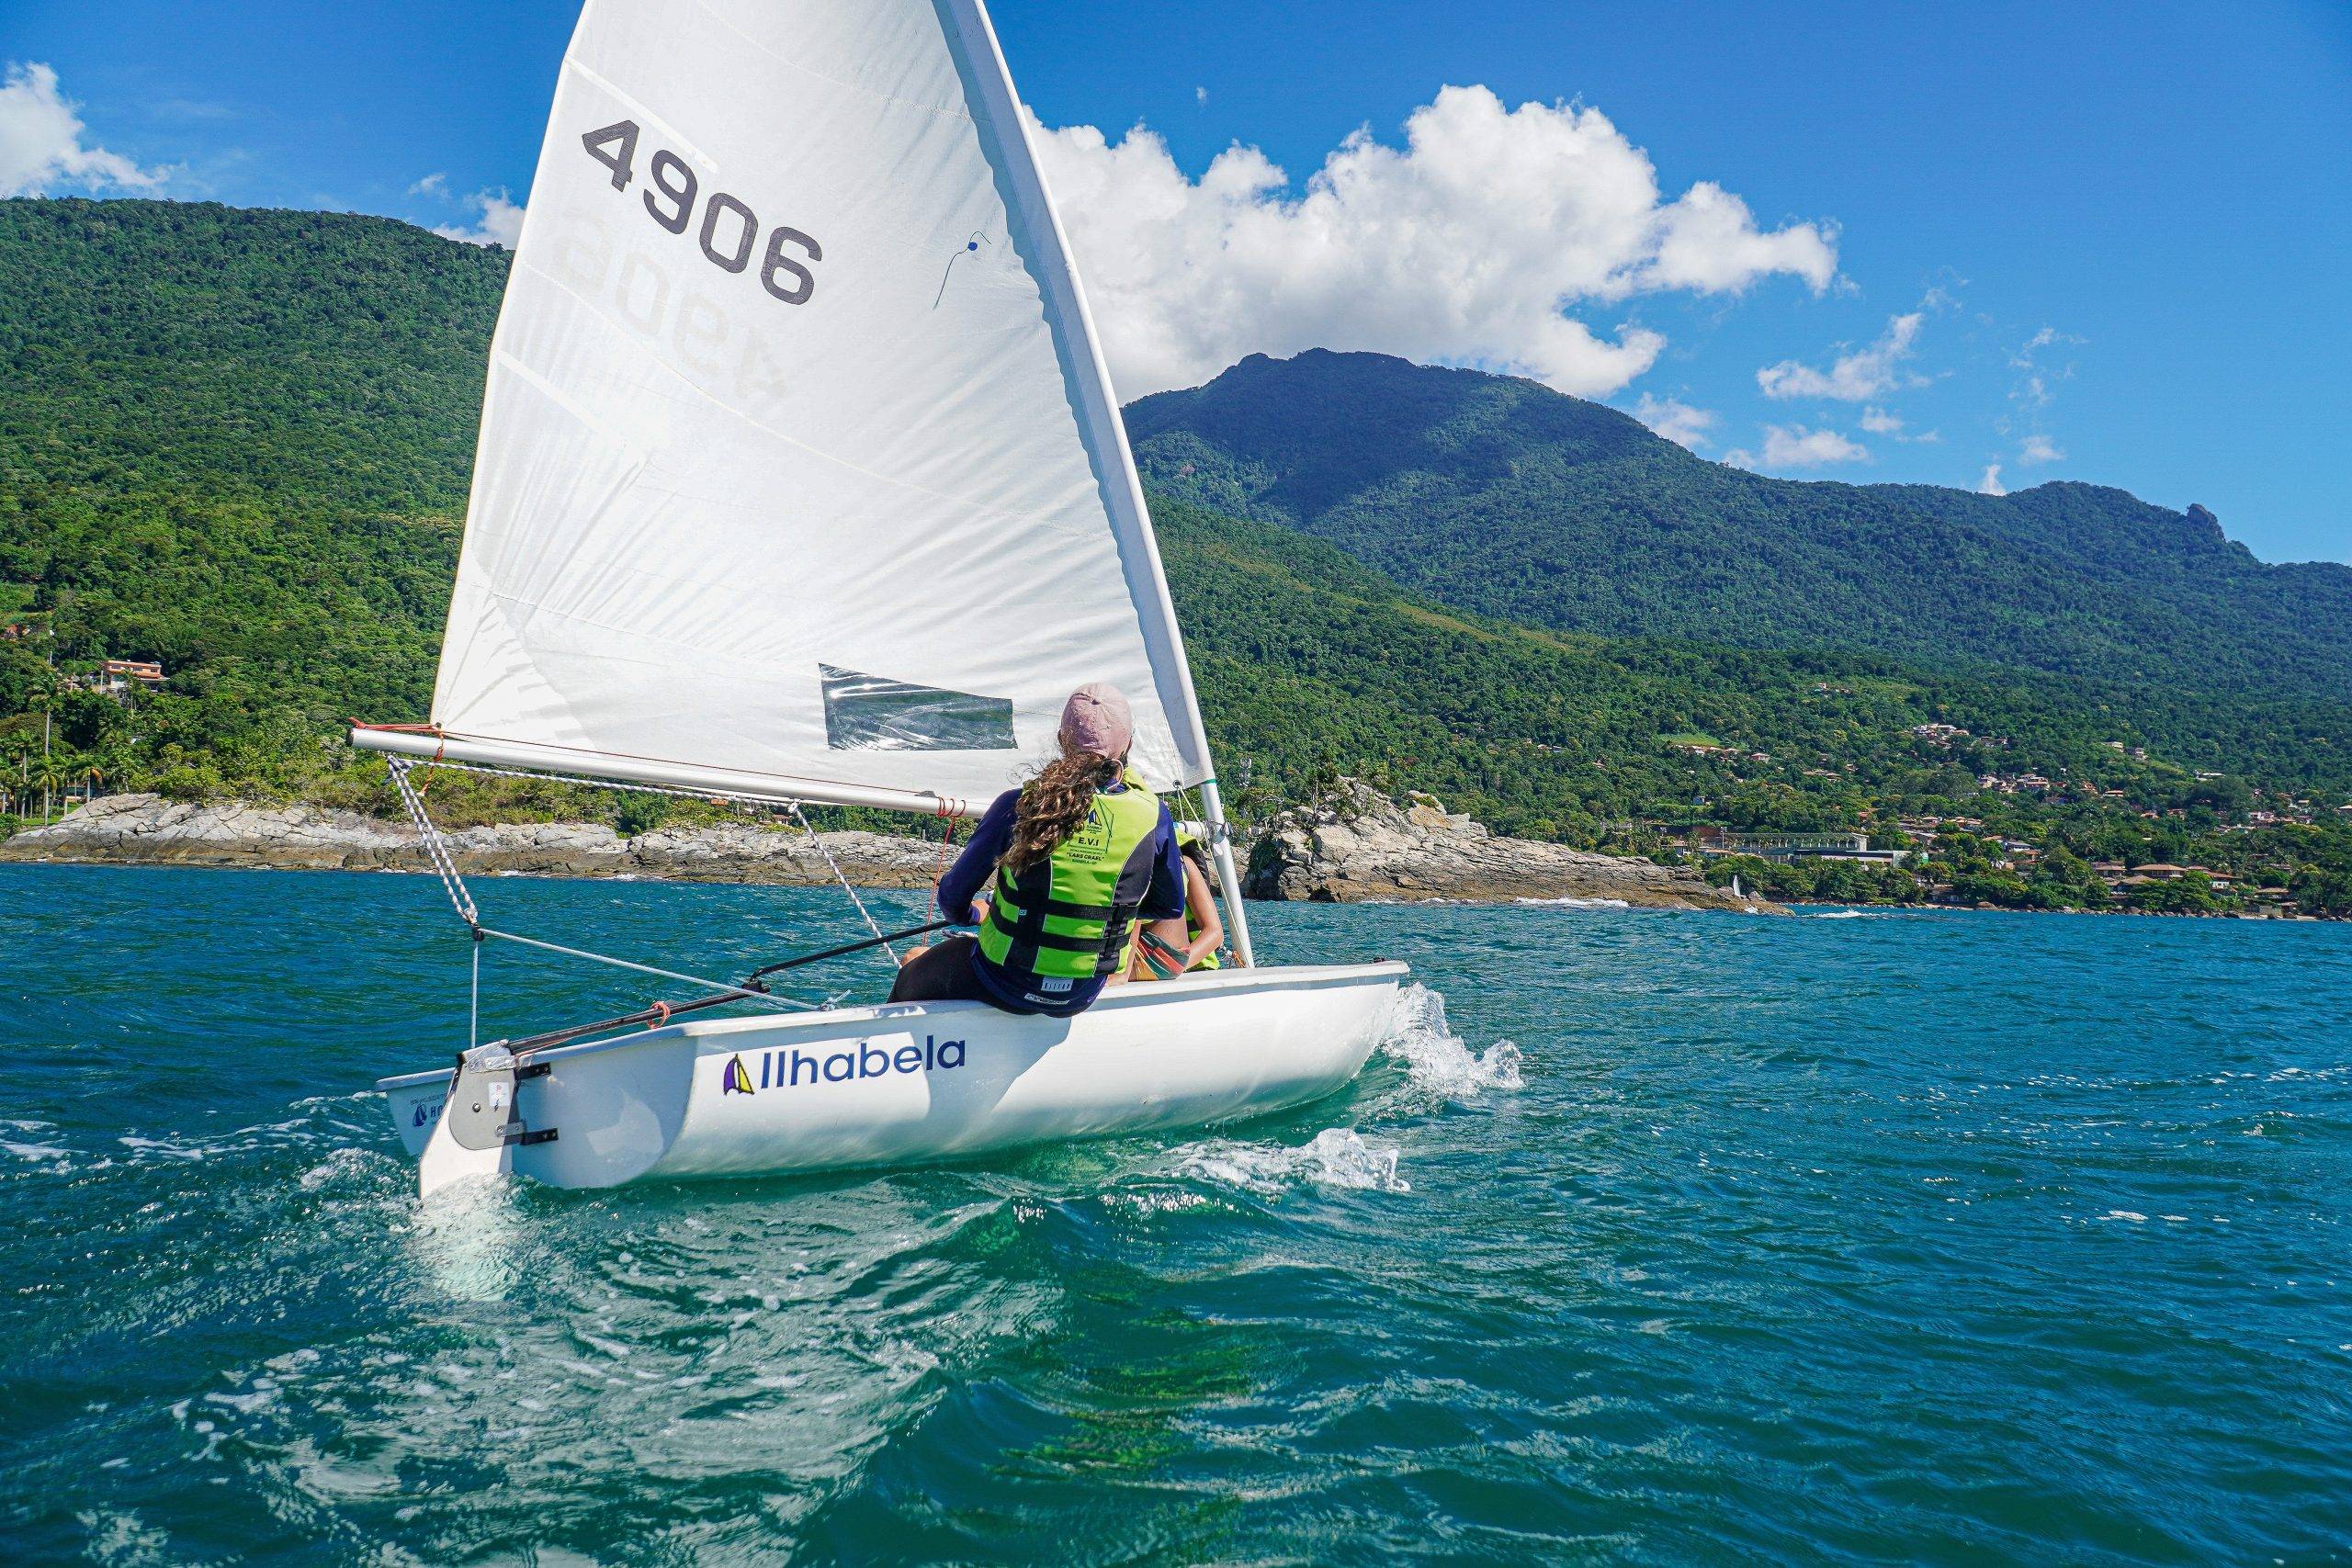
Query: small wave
1574	903
1438	1060
1905	913
1336	1157
163	1148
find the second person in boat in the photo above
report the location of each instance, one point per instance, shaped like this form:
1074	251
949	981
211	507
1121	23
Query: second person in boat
1068	863
1165	948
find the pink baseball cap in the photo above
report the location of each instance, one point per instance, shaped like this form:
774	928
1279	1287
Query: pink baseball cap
1098	721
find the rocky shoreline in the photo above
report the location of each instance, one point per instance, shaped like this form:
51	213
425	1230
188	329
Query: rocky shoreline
1354	846
146	829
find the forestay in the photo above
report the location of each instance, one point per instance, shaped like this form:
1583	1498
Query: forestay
799	458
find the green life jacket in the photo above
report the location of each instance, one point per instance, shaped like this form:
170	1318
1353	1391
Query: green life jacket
1068	917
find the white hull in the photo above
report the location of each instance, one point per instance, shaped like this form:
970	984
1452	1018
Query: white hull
916	1082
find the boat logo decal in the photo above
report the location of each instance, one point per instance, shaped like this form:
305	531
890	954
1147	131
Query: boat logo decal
793	1068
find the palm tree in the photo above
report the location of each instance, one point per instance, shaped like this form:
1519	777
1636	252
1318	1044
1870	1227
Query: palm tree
49	773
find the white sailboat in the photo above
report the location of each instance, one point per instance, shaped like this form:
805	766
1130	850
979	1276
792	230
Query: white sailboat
802	479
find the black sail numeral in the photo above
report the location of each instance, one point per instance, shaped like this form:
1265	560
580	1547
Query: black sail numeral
804	282
615	148
673	179
747	233
730	230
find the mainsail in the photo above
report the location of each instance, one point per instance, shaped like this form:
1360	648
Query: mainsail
800	469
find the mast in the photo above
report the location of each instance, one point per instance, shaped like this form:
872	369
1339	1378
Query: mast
996	101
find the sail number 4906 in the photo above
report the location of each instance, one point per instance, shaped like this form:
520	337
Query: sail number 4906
731	230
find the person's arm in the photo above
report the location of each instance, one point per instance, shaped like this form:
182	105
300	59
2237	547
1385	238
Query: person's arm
970	874
1164	899
1204	903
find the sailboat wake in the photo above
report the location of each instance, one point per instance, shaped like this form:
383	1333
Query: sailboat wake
1439	1064
1441	1069
1334	1158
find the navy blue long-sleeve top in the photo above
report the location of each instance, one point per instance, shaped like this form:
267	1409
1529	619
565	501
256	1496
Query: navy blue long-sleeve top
969	876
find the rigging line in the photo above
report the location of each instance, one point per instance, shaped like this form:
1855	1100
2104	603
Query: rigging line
734	993
437	851
841	876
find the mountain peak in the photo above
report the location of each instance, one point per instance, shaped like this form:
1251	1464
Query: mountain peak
1502	496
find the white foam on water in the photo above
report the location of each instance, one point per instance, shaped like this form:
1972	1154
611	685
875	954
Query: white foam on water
1440	1062
160	1146
1574	903
1336	1157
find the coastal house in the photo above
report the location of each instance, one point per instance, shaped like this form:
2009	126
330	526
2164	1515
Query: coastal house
1852	845
2165	871
118	678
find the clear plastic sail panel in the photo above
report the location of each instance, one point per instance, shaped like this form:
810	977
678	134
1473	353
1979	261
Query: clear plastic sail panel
797	454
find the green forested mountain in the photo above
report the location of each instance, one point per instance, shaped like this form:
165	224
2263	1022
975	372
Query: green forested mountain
1502	496
236	441
239	443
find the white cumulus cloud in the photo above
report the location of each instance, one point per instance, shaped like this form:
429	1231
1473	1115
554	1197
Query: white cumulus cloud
1991	483
2040	449
1797	447
1469	243
499	221
42	147
1870	372
1878	421
1794	447
1676	420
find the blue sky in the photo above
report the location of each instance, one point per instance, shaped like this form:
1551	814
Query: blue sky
2122	230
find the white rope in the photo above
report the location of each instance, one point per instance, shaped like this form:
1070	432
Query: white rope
872	928
445	865
782	803
758	999
435	850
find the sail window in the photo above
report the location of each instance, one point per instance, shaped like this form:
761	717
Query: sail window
874	713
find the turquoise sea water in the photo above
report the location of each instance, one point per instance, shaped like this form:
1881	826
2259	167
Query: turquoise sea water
1947	1238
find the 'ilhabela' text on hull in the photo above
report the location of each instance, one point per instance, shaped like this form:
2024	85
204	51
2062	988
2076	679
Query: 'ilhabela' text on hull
910	1083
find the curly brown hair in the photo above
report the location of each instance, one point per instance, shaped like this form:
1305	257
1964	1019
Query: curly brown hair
1054	805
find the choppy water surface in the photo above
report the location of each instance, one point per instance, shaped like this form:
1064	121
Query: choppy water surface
1664	1237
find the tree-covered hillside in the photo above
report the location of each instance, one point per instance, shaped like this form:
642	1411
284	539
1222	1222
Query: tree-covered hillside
238	443
1502	496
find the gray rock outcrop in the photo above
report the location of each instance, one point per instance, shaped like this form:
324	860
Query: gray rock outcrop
1356	844
1352	846
150	830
